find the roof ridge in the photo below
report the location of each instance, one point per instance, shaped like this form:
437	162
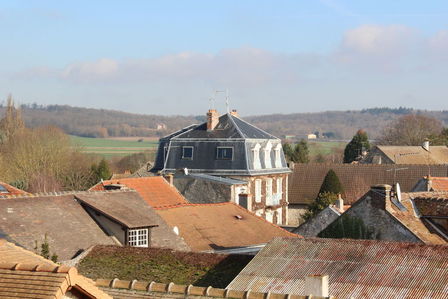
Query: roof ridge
38	267
231	115
62	193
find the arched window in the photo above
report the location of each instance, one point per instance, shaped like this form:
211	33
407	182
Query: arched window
267	155
256	156
278	156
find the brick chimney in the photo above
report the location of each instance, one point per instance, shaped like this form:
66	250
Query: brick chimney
316	285
234	113
380	195
212	119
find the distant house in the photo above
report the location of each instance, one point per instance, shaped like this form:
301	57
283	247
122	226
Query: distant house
425	154
394	216
23	274
306	180
226	146
355	268
430	183
220	227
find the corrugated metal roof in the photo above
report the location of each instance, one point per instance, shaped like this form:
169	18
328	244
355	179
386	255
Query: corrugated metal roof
356	268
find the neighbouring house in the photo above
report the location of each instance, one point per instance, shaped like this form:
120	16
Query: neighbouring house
430	183
204	188
23	274
391	154
8	190
156	191
319	222
57	218
355	268
385	214
356	179
227	146
221	226
129	218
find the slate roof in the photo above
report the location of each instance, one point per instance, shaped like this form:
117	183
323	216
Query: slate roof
6	189
306	179
156	191
127	207
220	226
69	228
356	268
229	126
415	154
36	280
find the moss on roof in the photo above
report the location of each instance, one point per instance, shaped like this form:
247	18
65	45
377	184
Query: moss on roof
162	265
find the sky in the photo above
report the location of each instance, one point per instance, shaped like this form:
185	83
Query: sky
170	57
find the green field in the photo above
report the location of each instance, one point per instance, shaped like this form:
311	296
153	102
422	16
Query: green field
325	147
109	148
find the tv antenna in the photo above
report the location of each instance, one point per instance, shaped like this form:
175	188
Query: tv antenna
212	99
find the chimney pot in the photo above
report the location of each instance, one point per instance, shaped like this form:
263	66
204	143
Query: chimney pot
212	119
340	203
234	112
316	285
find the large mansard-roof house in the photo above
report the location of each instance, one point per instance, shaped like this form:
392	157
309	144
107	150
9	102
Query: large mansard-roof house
227	150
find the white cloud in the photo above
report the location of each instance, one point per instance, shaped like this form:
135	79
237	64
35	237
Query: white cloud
90	70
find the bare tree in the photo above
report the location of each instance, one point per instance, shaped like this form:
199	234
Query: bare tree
410	129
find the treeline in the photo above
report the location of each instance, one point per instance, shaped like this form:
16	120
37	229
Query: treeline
104	123
100	122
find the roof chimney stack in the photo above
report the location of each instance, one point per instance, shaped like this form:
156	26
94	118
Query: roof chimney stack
381	195
234	113
425	145
339	204
212	119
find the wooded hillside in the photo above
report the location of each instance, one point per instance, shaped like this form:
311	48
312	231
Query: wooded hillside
104	123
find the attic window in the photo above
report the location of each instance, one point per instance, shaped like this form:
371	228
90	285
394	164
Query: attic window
138	237
224	153
187	152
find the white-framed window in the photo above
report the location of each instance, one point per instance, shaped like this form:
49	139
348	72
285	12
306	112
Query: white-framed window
224	153
279	192
278	156
187	152
256	156
257	190
138	237
267	155
269	192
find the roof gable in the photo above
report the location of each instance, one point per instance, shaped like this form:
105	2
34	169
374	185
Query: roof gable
415	154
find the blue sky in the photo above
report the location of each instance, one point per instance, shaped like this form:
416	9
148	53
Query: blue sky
167	57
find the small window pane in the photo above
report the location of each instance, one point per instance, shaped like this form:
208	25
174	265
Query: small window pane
224	153
138	237
187	152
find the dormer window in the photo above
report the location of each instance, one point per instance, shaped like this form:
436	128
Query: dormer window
187	152
267	155
278	156
138	237
256	156
224	153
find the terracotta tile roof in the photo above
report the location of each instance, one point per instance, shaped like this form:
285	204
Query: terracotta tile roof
69	228
125	207
411	217
156	191
439	183
11	252
356	268
431	203
10	190
306	179
44	281
415	154
216	226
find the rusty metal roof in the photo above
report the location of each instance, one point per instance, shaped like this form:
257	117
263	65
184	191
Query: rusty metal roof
356	268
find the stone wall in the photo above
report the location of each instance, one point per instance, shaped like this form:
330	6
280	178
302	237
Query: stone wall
318	223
